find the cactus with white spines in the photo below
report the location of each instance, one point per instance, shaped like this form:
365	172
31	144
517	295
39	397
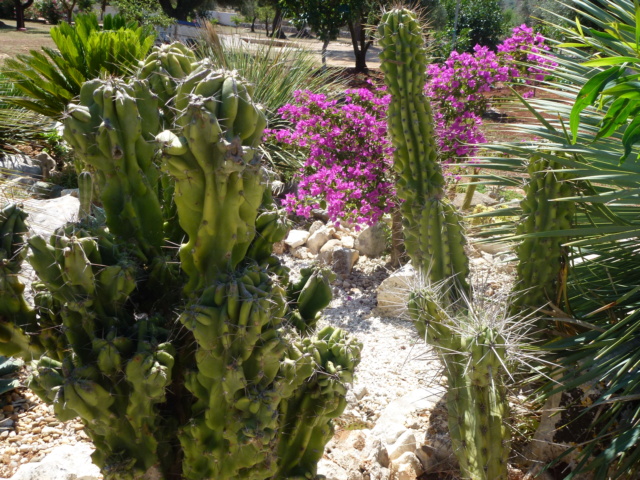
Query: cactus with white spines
434	239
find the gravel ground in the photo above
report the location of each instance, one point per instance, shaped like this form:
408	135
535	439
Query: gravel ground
394	361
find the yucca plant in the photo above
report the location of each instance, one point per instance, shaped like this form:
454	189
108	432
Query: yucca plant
49	79
591	132
277	71
17	125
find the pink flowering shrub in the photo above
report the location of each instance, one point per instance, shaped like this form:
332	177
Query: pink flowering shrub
349	157
457	87
348	162
524	50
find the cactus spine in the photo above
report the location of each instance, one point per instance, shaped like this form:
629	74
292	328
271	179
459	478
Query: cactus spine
471	351
192	362
543	261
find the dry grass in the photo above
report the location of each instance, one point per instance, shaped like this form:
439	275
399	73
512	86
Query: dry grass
13	42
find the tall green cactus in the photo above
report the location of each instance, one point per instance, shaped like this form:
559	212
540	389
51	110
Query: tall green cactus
183	361
471	351
474	354
433	233
543	261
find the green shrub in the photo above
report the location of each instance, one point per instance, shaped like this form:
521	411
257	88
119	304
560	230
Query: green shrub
49	79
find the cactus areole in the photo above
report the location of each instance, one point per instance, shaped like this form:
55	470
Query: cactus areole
170	329
433	234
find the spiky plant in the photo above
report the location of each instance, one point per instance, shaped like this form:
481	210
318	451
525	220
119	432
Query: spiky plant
277	71
49	79
590	130
183	363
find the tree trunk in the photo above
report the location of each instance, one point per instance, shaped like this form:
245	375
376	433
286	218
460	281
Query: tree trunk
324	55
276	26
20	8
253	25
103	8
360	44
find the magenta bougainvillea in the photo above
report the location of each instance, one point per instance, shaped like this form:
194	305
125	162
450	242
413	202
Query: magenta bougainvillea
348	154
348	162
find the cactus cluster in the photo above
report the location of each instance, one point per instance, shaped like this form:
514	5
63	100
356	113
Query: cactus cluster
471	351
171	330
433	232
543	261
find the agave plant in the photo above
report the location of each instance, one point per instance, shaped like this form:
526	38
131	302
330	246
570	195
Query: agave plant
591	132
49	79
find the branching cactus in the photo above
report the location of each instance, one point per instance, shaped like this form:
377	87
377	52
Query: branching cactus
473	351
433	233
543	261
187	361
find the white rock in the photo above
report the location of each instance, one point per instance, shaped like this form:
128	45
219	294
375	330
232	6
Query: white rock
372	241
360	391
319	238
405	443
393	292
66	462
348	241
326	252
477	199
47	215
407	467
343	260
330	470
315	226
301	253
296	238
391	423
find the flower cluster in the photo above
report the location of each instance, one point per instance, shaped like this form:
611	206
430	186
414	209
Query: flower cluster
458	87
348	154
526	51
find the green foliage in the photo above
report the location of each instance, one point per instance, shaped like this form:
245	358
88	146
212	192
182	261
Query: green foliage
144	12
18	125
482	18
8	367
599	320
50	79
324	18
192	362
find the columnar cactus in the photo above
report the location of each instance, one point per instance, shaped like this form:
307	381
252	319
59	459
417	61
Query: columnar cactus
474	354
211	370
471	351
543	261
433	233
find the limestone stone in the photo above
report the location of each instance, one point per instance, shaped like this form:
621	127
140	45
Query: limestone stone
47	215
393	292
406	442
343	260
66	462
296	238
406	467
318	238
372	241
326	252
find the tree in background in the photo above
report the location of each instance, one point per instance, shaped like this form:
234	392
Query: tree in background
20	8
179	9
145	12
325	17
481	19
